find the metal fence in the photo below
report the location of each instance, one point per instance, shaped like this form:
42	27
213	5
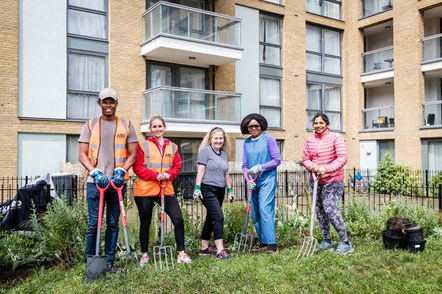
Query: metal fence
292	188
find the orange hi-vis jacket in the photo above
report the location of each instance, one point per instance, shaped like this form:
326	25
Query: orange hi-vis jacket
120	145
160	163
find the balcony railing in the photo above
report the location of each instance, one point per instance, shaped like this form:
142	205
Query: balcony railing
192	104
380	59
378	117
432	47
189	23
371	7
432	113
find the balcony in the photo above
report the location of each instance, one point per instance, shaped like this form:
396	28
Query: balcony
378	60
193	105
432	50
432	113
371	7
377	118
180	34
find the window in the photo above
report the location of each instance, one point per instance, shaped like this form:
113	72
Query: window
328	8
72	148
87	56
269	40
385	146
270	100
274	1
325	99
323	50
188	149
432	154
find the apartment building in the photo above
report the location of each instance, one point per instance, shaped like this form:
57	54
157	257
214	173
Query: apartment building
373	66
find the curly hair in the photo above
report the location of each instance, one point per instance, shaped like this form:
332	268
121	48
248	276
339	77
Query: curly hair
253	116
208	138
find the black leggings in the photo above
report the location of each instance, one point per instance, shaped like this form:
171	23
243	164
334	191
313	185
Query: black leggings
173	210
213	200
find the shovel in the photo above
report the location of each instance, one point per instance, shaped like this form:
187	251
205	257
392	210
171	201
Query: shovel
243	241
162	255
310	243
130	258
96	264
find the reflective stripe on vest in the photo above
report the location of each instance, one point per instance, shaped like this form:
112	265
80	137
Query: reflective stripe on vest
120	146
154	161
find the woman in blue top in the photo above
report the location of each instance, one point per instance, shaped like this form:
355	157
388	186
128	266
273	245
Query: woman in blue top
261	157
211	182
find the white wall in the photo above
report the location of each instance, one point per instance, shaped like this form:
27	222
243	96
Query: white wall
42	58
247	69
368	155
40	153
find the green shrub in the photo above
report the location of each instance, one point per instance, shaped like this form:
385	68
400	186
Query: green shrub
234	215
436	181
290	230
394	178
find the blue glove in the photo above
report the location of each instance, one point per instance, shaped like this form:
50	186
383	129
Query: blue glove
255	169
100	179
251	185
118	176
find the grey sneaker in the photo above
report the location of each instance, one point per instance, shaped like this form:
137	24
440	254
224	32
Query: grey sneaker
344	248
326	245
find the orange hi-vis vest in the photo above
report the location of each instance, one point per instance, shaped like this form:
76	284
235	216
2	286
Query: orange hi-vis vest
120	145
155	161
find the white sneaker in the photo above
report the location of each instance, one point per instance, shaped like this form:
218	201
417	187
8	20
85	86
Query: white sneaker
184	259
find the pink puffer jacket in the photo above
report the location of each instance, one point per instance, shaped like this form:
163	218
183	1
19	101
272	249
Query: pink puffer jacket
329	150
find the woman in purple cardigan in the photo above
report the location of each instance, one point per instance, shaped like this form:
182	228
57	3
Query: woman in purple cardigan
261	157
325	154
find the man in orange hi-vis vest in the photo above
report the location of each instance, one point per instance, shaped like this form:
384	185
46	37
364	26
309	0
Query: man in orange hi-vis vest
108	149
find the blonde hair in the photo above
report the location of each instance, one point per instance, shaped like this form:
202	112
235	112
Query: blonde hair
208	138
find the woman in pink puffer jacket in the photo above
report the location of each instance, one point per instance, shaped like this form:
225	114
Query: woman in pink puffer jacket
325	154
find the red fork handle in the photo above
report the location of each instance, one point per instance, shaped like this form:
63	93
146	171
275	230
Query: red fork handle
121	202
101	205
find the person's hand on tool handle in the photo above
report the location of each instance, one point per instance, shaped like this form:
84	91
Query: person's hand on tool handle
255	169
197	193
230	194
118	176
319	170
100	179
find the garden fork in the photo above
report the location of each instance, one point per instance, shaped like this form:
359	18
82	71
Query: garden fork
130	258
310	243
162	255
243	241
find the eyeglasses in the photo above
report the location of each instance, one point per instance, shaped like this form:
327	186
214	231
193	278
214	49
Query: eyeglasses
254	127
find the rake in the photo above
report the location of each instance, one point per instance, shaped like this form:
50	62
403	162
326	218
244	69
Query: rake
243	241
310	243
130	259
162	255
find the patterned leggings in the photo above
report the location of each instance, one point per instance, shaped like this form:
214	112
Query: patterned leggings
327	209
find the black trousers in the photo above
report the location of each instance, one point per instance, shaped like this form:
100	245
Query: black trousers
173	210
213	200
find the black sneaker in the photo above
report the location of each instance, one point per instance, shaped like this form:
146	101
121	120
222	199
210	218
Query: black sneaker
111	268
272	249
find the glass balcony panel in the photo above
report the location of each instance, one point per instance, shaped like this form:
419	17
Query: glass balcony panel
192	104
432	47
186	22
432	113
378	117
371	7
381	59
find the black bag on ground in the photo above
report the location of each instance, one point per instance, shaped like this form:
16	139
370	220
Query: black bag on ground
403	234
16	212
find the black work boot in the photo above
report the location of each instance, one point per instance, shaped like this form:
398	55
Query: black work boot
111	268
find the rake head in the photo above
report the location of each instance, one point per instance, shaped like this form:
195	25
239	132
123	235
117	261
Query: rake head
163	258
129	261
308	247
243	243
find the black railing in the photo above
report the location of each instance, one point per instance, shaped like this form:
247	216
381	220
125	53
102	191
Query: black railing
292	187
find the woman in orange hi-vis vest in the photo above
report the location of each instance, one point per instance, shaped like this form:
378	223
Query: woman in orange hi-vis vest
158	161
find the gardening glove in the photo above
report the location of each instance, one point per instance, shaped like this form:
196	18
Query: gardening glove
100	179
230	194
197	193
255	169
118	176
251	185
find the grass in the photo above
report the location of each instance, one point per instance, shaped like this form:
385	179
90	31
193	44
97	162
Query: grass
371	269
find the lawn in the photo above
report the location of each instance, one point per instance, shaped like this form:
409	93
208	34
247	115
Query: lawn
371	269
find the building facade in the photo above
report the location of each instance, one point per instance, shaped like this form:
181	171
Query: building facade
373	66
